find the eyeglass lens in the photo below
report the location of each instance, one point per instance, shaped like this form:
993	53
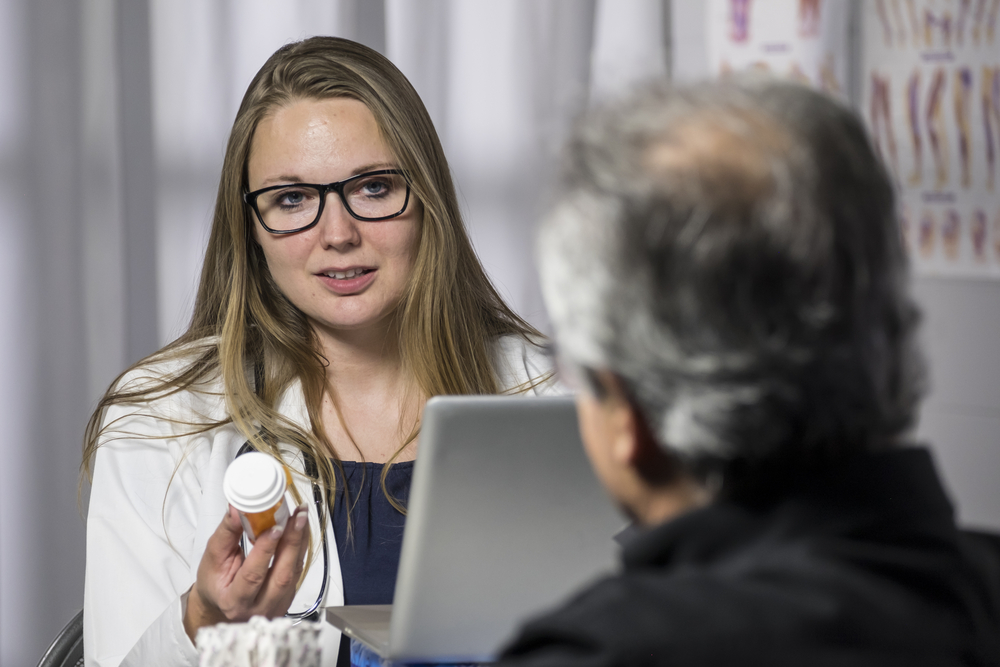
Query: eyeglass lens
297	206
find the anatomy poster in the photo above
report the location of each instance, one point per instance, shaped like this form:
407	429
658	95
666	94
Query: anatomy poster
805	40
931	98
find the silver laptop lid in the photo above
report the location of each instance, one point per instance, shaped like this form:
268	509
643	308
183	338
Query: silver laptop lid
506	518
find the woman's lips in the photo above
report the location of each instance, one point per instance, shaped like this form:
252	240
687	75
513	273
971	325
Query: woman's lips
347	286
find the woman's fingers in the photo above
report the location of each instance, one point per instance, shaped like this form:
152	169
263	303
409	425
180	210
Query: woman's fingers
219	564
288	562
231	587
225	541
222	558
266	581
248	582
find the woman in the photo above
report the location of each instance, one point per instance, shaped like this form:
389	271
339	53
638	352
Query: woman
326	316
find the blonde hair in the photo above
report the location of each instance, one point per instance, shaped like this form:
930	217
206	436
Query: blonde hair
447	318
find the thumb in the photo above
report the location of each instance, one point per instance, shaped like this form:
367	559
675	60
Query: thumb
231	523
227	536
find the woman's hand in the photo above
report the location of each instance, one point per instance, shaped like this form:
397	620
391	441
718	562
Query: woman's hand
231	588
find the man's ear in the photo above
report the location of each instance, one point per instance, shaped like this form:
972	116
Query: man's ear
634	443
627	425
647	447
637	447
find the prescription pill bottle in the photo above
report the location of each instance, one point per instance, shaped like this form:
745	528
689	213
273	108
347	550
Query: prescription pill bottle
256	485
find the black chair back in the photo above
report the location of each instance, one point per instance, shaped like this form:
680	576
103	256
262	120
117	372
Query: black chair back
67	649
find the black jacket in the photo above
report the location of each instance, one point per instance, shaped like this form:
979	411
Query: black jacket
863	566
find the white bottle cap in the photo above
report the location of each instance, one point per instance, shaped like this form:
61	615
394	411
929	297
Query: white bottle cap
254	482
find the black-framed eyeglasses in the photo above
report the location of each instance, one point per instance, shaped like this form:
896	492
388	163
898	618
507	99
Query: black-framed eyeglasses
372	197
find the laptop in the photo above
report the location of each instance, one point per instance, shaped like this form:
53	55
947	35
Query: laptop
505	519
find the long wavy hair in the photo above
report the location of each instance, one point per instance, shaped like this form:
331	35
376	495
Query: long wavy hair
447	318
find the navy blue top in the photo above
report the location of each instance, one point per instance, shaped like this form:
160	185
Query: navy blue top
369	555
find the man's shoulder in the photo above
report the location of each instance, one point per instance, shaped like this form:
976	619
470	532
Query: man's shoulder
700	617
647	617
713	585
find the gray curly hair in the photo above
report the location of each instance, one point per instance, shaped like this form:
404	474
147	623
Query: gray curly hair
730	252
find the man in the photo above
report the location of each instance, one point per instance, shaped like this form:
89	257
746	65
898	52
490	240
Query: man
729	294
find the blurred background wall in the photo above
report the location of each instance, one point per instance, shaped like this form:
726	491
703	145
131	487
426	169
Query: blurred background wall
113	120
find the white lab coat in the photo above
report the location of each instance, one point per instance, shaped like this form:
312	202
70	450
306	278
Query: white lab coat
157	498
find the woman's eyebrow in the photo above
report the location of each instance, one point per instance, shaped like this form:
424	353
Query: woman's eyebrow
375	166
283	179
291	179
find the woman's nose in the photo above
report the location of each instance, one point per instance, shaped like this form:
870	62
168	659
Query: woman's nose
338	228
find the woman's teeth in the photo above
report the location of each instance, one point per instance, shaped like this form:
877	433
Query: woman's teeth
345	274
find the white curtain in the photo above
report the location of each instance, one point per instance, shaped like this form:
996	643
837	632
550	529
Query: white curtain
113	122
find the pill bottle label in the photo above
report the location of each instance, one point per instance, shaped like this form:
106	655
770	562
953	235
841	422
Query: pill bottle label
255	523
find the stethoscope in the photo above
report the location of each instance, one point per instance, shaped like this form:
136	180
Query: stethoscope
311	614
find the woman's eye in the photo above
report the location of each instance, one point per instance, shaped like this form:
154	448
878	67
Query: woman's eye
374	187
291	198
